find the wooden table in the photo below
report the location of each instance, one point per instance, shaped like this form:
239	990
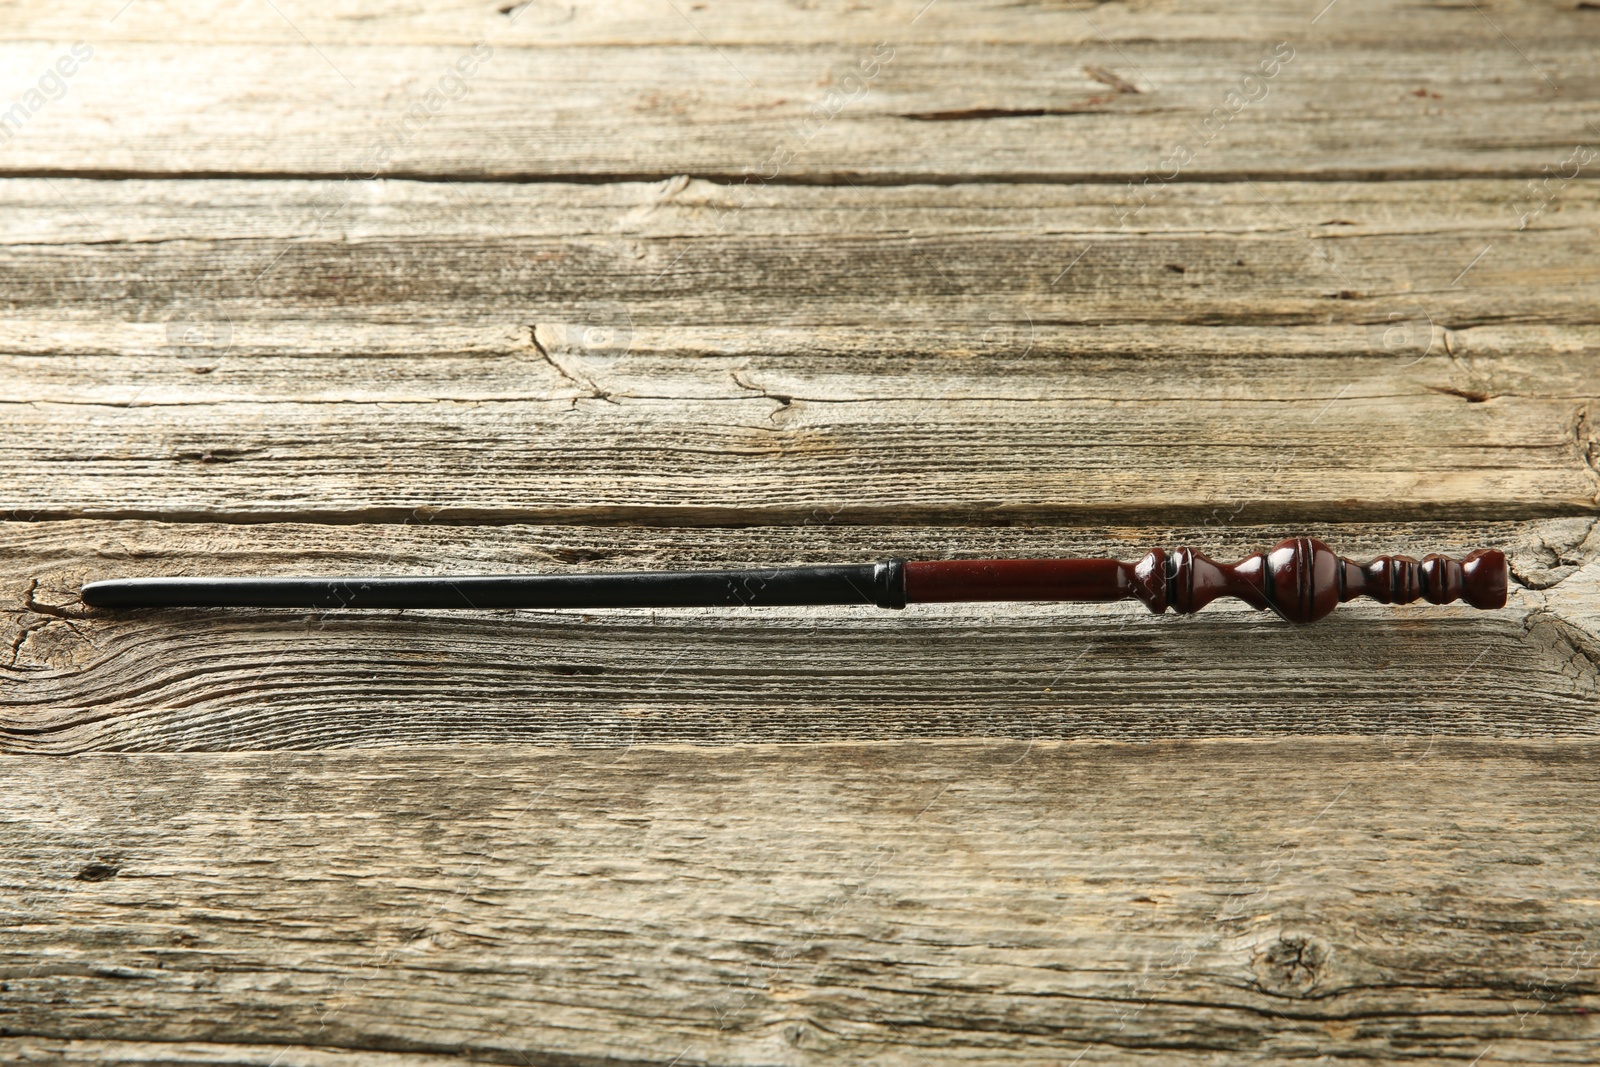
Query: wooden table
653	283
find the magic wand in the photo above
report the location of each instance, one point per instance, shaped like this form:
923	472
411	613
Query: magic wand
1300	579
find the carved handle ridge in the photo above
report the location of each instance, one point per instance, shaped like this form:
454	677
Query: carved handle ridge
1303	580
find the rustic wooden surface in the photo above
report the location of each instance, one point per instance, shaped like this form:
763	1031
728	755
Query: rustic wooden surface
966	902
671	283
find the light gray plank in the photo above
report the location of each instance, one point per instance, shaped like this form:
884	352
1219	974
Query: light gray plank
550	24
685	252
1457	96
907	904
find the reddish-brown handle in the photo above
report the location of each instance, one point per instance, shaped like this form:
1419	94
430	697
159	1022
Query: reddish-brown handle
1301	579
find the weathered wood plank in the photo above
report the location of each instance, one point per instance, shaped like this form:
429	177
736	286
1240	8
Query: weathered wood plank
281	679
1367	443
907	904
1333	215
551	24
731	462
805	350
187	361
687	252
1437	103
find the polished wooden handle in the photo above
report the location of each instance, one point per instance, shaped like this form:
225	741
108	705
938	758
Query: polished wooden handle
1301	579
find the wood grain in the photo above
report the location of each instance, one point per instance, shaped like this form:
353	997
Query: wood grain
557	25
1451	98
684	252
211	680
804	352
908	904
966	278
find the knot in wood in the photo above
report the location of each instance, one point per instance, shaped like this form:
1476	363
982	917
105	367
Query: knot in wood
1291	966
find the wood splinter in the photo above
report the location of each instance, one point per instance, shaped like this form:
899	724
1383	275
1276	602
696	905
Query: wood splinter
1300	579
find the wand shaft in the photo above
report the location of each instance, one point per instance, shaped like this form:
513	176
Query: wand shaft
882	584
